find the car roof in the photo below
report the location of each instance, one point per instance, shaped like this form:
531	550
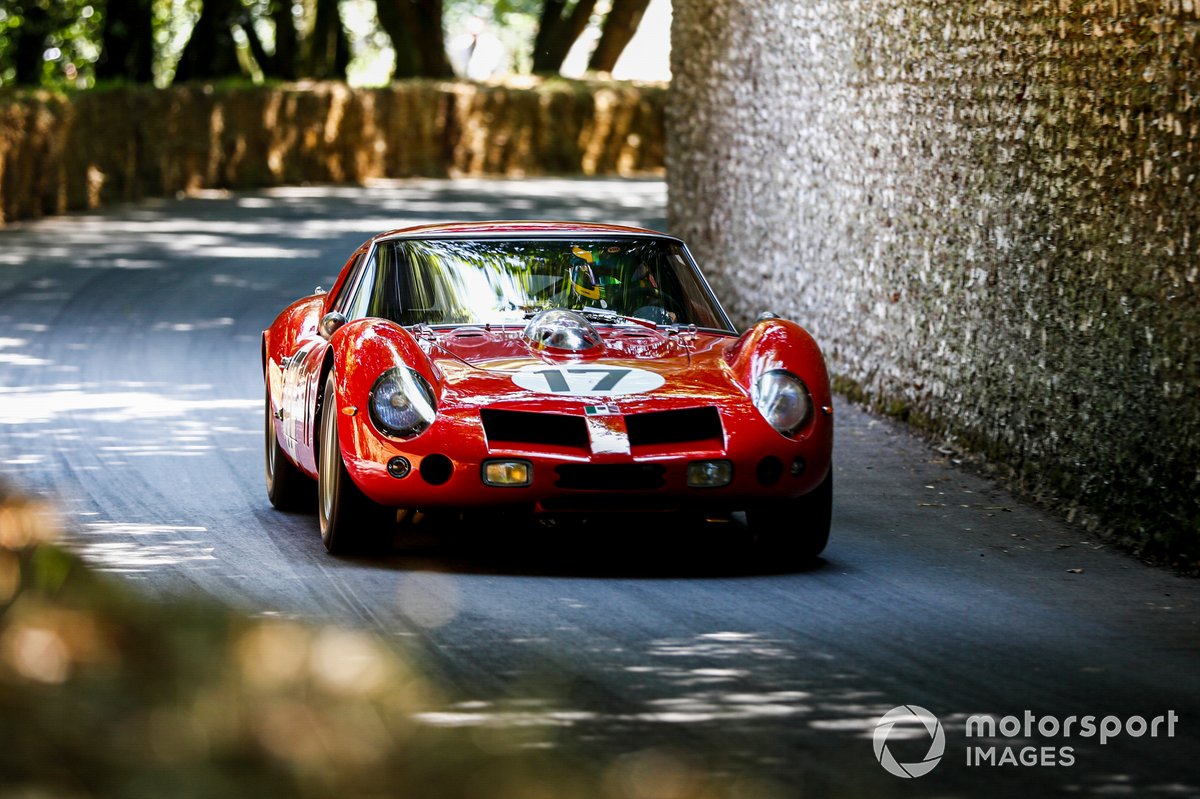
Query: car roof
516	228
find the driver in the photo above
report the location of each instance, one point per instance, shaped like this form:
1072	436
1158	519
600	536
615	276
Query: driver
593	275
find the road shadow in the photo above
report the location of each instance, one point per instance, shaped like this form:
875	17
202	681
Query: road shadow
646	546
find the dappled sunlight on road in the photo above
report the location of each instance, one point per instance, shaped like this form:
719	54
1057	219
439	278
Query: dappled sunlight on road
104	433
191	327
718	645
17	358
746	688
717	683
150	546
518	713
428	599
85	402
255	226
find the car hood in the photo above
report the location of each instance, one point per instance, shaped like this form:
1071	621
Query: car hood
632	366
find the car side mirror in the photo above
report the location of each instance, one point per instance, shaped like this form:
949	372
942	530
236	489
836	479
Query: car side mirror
330	322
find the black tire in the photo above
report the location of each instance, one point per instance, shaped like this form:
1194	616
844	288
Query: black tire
288	488
795	530
350	521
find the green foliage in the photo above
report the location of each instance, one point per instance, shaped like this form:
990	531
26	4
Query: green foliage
75	42
500	12
372	59
8	27
70	44
173	21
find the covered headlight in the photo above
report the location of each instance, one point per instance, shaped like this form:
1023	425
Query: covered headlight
402	403
783	400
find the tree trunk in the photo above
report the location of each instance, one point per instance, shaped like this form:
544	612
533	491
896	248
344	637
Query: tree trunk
329	48
619	27
415	28
399	29
557	33
211	52
127	42
29	44
286	61
432	40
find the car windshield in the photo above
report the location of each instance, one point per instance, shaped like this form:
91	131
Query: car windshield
505	280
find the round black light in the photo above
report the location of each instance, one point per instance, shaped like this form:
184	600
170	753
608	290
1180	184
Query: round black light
769	470
436	469
798	466
399	467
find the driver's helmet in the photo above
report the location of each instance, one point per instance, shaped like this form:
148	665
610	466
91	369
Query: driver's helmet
594	273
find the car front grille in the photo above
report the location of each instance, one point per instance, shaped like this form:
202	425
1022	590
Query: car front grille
674	427
523	427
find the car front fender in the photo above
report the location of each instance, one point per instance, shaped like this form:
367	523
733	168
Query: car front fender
362	351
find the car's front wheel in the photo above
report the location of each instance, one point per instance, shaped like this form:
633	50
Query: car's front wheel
288	488
797	529
350	521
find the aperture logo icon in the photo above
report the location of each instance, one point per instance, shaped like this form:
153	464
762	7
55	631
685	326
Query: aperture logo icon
909	716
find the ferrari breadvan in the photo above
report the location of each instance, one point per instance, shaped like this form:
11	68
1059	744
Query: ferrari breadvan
548	368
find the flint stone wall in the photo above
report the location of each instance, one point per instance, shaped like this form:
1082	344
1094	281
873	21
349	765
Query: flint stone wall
985	211
67	152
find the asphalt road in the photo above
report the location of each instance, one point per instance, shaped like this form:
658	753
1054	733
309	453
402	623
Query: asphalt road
130	390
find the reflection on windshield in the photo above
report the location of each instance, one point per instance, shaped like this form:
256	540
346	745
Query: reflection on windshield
504	281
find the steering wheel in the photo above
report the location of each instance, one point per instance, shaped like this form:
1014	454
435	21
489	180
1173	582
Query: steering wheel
653	305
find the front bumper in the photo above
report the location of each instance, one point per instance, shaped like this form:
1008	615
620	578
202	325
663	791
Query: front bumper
607	474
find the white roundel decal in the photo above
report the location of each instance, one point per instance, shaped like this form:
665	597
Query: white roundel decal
587	380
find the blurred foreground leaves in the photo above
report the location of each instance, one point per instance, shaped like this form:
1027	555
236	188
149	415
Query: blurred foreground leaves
105	694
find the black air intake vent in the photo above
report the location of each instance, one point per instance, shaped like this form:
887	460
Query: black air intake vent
523	427
674	427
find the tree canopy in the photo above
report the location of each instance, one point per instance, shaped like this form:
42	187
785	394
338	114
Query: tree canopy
76	43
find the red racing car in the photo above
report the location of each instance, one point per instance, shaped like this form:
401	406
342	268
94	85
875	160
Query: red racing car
552	367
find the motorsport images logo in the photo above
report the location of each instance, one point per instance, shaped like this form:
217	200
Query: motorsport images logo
1002	741
912	720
